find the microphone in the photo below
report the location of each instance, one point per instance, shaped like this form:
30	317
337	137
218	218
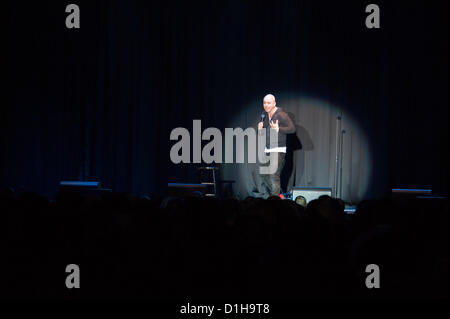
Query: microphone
263	116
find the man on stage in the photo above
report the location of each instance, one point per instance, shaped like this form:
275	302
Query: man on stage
277	120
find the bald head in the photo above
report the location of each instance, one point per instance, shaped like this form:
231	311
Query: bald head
269	97
269	103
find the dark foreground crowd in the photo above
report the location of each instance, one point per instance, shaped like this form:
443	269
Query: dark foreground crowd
178	248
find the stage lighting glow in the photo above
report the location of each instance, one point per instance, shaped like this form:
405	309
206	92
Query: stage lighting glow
314	165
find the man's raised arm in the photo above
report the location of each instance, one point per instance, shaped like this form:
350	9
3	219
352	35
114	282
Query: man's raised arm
286	125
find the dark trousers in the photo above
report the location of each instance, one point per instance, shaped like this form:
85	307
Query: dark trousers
271	183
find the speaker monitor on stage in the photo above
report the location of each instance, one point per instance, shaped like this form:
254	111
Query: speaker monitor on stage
75	185
82	187
303	195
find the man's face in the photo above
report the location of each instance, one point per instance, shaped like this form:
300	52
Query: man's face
269	103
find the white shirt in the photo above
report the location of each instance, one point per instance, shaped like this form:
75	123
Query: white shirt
275	150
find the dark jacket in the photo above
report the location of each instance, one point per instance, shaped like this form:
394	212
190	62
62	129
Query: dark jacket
286	127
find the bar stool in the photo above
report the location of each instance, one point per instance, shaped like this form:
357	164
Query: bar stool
212	183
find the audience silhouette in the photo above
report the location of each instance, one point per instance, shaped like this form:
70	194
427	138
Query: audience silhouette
175	248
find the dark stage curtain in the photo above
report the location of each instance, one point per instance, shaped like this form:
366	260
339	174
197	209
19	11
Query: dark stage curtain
99	102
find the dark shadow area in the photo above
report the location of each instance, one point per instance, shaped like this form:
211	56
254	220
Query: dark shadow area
198	247
297	144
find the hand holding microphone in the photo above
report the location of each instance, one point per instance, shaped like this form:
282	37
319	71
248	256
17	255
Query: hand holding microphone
261	124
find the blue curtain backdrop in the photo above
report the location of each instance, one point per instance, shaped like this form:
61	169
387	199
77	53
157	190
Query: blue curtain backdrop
98	103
